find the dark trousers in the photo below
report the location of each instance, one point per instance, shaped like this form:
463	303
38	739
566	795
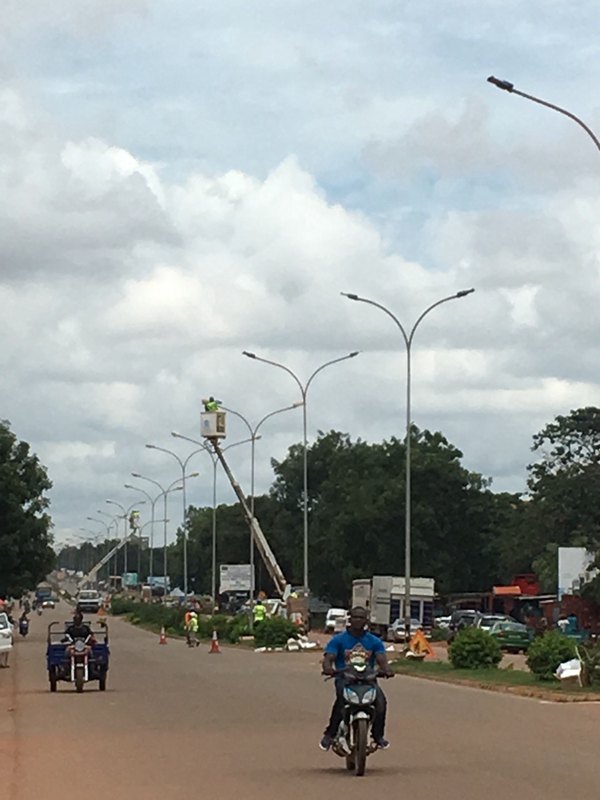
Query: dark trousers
337	712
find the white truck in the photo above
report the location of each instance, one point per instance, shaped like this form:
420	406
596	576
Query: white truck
383	597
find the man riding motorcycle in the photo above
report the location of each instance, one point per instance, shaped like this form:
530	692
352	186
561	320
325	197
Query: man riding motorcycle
335	659
77	629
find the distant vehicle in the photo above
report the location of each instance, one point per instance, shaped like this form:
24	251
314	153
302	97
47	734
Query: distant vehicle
487	621
396	632
335	621
383	596
512	636
462	618
442	622
48	603
6	638
89	600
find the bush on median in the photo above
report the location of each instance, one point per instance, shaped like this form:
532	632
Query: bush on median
474	648
547	652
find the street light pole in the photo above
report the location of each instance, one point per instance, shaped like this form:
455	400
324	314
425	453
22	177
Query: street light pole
183	466
164	493
215	462
408	340
152	520
507	86
303	392
125	515
253	437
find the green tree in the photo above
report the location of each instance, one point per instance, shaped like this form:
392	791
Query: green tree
564	485
25	539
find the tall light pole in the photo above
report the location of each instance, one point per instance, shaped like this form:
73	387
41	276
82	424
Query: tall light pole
125	515
164	492
215	463
303	391
183	465
507	86
253	437
408	340
152	520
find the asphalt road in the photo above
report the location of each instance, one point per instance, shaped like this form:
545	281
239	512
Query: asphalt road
178	723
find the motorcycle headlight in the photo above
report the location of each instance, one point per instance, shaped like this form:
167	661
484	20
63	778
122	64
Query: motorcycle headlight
79	646
369	697
351	696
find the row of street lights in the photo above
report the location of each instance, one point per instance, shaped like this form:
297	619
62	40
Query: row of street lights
304	387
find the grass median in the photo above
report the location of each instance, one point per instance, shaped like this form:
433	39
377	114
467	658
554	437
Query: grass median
514	681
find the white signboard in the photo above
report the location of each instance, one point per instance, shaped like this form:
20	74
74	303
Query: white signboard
235	578
574	569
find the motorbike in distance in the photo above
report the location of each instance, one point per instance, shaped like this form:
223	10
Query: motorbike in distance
23	626
353	741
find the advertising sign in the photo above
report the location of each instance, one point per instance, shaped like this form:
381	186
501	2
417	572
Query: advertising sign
130	579
235	578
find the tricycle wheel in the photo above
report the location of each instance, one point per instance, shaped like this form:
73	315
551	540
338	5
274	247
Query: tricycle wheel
102	682
53	682
79	680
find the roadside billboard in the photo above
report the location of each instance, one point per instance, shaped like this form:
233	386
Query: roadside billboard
235	578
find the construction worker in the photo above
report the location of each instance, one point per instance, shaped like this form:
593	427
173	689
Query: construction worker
193	630
186	626
211	404
260	612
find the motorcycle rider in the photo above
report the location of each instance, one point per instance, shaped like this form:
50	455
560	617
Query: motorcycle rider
78	629
335	658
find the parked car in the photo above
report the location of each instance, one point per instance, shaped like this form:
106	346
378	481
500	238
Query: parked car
442	622
335	620
487	621
461	618
512	636
396	632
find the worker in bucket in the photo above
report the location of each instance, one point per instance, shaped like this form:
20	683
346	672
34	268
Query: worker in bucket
192	630
211	404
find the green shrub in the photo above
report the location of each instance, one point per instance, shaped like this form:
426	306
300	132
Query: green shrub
474	648
122	605
274	632
439	635
547	652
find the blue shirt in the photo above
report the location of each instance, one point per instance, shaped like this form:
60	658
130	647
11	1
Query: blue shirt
342	645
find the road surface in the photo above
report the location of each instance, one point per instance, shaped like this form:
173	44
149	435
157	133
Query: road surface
178	723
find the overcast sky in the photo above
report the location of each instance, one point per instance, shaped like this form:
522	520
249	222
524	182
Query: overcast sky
185	180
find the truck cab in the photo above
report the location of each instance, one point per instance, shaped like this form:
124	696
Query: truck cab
89	600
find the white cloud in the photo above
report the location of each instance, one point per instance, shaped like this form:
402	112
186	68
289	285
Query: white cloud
175	197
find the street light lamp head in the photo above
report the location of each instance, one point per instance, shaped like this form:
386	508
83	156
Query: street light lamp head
464	292
135	475
506	86
250	355
150	446
354	353
192	475
349	296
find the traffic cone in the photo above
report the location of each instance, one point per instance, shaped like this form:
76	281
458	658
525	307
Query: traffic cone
214	645
163	636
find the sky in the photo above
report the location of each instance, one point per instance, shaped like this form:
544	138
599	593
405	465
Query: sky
183	181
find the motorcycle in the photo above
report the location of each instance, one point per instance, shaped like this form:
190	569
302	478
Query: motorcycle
79	652
23	627
353	741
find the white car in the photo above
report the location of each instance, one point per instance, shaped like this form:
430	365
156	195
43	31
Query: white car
336	620
396	631
6	638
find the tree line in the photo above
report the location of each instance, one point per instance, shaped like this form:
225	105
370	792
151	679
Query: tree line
464	534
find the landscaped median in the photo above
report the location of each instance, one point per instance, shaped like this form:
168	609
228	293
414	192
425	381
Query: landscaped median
474	659
272	633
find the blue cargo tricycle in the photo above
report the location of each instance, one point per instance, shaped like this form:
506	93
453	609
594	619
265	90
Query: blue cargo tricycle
78	660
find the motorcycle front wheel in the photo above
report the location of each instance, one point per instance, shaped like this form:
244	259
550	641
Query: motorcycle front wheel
79	680
360	746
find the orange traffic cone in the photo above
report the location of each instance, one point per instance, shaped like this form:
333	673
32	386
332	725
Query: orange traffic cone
163	636
214	645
